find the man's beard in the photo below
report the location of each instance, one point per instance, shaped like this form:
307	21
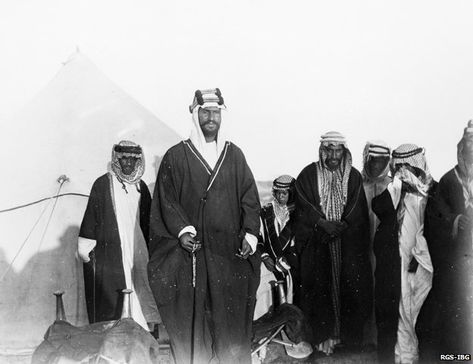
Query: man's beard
210	133
333	163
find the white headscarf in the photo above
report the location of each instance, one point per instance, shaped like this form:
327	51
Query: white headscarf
210	151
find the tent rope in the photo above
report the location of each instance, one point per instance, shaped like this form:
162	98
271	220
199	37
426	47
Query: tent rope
35	224
44	233
44	199
24	242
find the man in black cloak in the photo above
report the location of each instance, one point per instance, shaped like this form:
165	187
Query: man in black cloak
332	241
204	227
113	240
446	319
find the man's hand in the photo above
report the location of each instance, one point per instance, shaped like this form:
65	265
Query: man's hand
189	243
269	263
413	264
85	258
332	228
464	222
245	249
282	265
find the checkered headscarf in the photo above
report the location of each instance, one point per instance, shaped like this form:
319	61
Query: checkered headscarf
414	156
411	154
127	148
333	186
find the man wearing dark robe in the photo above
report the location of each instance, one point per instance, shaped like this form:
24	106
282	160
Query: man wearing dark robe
332	240
113	240
403	275
204	226
446	320
375	173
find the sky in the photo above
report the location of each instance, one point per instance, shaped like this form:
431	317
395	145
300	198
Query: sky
399	71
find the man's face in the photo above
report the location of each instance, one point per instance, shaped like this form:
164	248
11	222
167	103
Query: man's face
468	150
334	156
282	196
209	121
127	164
376	166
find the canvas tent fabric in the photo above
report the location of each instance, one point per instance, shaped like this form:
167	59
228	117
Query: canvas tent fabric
67	129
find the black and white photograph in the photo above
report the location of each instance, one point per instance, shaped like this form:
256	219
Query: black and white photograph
251	182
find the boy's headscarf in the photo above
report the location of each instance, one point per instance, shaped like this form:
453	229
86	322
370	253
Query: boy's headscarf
283	183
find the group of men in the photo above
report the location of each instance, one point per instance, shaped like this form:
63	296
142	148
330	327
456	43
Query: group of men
382	257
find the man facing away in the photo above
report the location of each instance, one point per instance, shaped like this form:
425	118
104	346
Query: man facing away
332	240
113	240
204	227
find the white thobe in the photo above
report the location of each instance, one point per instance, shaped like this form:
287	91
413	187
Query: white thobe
133	244
414	286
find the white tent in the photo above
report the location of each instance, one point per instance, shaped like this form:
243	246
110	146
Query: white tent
68	129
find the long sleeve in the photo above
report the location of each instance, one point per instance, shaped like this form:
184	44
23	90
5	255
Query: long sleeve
382	205
440	209
249	202
90	220
166	199
356	209
84	247
307	213
145	206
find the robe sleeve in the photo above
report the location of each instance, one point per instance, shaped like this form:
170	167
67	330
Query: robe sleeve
356	209
249	201
382	205
439	223
262	238
307	214
252	241
145	205
167	200
440	211
90	220
261	247
395	190
84	247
